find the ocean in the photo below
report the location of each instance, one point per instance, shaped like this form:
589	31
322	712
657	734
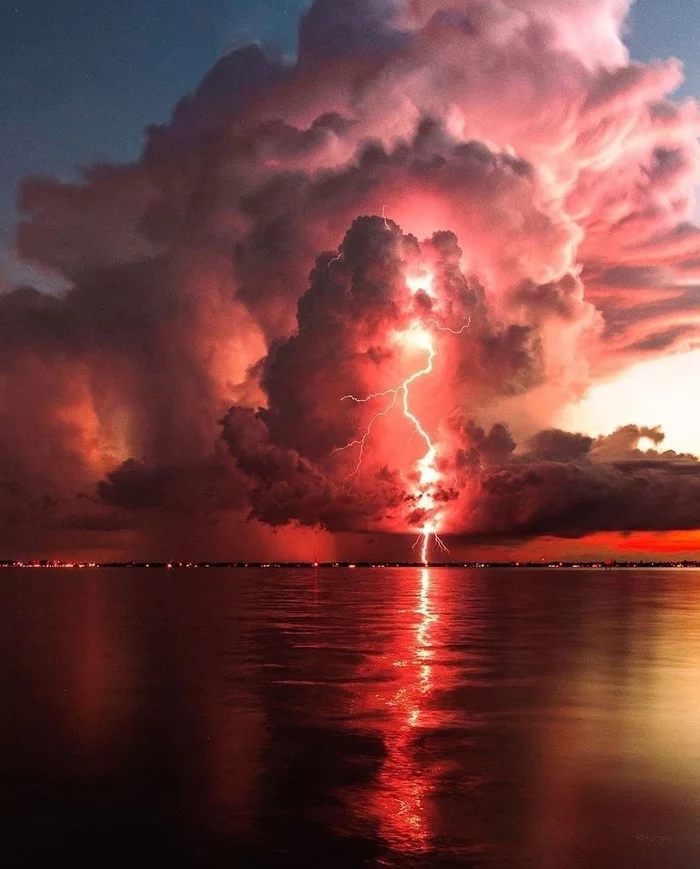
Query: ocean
331	718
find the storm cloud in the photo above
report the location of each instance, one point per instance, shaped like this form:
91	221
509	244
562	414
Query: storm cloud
218	299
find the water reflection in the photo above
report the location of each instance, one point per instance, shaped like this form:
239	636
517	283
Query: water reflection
403	785
400	798
423	647
406	718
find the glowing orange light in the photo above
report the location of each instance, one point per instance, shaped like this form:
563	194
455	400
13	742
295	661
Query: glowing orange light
428	475
421	281
420	337
401	797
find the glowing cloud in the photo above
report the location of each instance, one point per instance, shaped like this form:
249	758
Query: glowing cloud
428	475
314	302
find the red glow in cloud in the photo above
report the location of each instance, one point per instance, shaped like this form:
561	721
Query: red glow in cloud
538	185
428	474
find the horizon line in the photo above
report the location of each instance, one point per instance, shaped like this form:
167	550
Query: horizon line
175	565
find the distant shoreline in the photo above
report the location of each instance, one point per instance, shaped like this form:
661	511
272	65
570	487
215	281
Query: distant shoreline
258	565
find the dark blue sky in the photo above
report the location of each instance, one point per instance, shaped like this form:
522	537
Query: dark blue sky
80	79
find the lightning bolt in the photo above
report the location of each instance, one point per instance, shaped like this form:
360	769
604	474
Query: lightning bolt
363	440
428	474
386	222
423	540
452	331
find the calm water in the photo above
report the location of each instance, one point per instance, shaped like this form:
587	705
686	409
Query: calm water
350	718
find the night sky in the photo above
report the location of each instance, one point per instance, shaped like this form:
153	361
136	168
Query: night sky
240	333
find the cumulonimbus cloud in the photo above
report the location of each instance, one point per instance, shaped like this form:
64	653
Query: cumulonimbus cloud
228	288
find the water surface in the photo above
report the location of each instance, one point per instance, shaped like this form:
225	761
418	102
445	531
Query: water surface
349	718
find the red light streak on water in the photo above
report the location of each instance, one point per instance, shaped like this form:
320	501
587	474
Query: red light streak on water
401	798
